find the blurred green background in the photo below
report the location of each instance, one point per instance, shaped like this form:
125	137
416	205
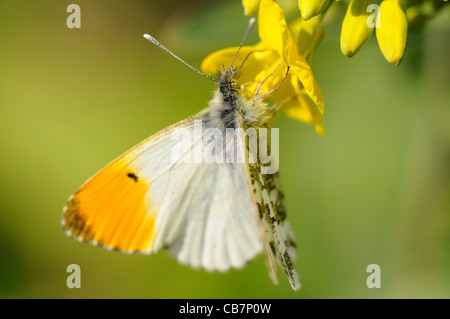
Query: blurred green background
374	190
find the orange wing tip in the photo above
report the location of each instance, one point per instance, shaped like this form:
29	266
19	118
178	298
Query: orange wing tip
110	211
74	223
74	233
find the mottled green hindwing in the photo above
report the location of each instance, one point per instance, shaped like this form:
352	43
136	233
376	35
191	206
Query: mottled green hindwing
279	236
278	231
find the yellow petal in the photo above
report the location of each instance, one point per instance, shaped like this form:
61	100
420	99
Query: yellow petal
272	27
223	58
290	88
305	76
392	30
250	6
296	104
272	75
311	8
356	27
274	33
216	60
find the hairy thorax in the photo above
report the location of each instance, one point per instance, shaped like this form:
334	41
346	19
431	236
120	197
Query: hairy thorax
229	105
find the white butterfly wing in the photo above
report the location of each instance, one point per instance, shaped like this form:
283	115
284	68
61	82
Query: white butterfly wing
153	197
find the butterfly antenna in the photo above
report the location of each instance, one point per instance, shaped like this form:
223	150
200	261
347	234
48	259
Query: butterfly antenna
249	27
156	42
255	97
248	55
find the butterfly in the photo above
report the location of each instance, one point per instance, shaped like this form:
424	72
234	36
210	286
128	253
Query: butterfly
197	188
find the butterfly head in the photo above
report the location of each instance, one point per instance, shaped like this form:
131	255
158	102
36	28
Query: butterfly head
227	82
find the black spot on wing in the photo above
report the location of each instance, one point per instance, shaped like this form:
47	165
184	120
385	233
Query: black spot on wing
132	176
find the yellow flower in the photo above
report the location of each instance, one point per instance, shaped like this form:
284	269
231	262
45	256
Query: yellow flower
356	28
392	30
275	35
299	95
393	20
311	8
250	6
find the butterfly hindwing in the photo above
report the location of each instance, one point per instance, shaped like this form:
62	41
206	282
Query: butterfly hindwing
268	198
278	231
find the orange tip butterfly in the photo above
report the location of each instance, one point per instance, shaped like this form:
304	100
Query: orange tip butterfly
198	188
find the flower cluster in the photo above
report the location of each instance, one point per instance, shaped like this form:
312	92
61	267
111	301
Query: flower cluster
291	46
267	62
390	19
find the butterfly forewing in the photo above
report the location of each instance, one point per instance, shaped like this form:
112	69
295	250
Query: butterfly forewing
150	198
115	208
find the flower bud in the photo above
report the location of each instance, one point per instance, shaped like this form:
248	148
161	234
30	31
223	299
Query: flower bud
392	30
357	26
311	8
